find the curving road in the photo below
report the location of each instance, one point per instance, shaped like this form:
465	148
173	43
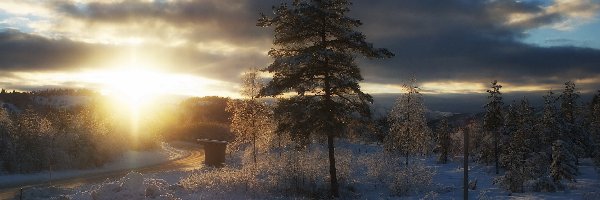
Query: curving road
191	161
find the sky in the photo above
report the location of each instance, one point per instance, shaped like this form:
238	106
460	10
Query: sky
202	47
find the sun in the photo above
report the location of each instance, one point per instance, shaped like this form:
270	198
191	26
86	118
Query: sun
135	87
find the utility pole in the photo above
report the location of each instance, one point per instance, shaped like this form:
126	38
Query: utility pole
466	165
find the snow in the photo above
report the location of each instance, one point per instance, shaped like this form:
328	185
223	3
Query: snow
129	160
446	183
133	186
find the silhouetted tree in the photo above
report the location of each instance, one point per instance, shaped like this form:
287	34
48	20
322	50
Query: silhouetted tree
315	47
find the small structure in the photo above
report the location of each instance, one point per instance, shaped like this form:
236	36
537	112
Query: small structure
214	152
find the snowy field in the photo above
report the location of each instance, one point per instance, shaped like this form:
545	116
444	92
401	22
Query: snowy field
129	160
234	183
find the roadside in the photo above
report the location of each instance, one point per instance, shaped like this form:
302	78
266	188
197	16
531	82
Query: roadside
181	156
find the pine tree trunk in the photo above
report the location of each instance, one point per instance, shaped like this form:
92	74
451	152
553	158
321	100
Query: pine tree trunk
328	103
330	138
332	170
254	147
496	150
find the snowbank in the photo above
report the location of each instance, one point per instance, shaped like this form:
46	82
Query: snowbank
129	160
133	186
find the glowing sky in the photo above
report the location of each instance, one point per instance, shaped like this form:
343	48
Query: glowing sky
201	47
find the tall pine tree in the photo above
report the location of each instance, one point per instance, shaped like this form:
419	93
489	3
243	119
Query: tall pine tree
493	121
315	45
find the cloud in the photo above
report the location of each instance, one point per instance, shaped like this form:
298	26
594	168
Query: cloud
469	41
24	52
194	21
450	41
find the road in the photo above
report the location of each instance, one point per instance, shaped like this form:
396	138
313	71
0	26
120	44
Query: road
193	160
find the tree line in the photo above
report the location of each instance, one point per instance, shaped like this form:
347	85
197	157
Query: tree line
531	150
47	138
33	141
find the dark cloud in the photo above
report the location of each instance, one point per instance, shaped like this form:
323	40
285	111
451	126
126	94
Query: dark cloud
24	52
233	21
467	41
469	103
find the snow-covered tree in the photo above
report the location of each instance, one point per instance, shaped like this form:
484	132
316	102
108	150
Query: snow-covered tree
549	126
563	162
572	131
492	123
594	126
444	141
511	120
409	133
7	151
250	118
32	133
568	106
520	147
476	136
315	46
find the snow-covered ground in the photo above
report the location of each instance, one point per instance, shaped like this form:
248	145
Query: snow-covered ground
129	160
446	184
586	186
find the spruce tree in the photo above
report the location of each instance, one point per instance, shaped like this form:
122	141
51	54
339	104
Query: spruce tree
493	121
409	133
443	141
549	127
594	127
521	145
315	46
571	124
510	126
563	162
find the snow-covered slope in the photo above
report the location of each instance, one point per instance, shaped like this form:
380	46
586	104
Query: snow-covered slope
446	184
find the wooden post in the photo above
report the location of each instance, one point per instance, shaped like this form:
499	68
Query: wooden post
466	165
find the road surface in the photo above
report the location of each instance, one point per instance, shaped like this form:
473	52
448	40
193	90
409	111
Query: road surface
193	160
